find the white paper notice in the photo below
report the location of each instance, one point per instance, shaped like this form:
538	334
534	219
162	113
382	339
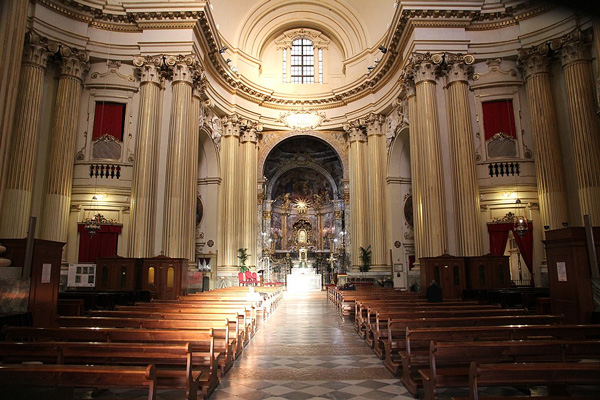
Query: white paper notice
46	272
561	271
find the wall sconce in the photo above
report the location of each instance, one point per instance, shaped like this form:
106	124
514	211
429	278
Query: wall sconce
223	49
383	49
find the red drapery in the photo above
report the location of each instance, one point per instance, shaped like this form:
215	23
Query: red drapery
498	233
108	120
102	244
498	116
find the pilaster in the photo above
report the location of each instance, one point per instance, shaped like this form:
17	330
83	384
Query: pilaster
435	241
552	195
377	162
177	202
228	212
248	191
464	177
16	208
59	179
359	196
574	53
145	165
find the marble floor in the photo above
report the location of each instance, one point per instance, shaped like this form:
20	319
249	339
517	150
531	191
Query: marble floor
305	351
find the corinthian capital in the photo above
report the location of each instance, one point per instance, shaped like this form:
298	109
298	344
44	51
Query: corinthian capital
572	47
150	68
534	61
250	131
231	125
184	68
355	131
37	50
425	66
374	122
75	62
458	67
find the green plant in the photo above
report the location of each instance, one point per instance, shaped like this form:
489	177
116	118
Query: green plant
243	256
365	259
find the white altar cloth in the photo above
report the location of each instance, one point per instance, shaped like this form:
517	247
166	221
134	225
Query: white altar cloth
304	280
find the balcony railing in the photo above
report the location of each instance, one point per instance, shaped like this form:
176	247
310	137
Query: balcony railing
105	171
504	169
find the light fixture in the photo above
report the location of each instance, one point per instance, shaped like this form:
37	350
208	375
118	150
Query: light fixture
223	49
371	68
302	120
228	60
520	222
383	49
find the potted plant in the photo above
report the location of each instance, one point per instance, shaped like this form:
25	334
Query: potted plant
365	259
243	256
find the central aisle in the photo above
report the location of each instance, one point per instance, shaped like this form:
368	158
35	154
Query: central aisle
305	351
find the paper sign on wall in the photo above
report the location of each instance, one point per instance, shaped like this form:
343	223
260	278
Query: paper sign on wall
561	271
46	273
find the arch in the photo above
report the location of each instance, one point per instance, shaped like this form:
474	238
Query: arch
335	20
338	146
208	158
313	166
399	155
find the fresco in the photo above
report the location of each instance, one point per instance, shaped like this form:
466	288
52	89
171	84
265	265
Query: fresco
304	183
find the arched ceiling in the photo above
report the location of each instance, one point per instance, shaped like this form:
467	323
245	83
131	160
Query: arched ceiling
354	24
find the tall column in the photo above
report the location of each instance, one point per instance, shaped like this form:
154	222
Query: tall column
16	208
191	196
63	134
585	129
432	189
462	150
248	192
13	21
228	216
596	34
415	164
143	187
552	194
359	195
177	206
377	161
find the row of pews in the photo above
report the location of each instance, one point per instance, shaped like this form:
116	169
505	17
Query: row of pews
463	344
188	344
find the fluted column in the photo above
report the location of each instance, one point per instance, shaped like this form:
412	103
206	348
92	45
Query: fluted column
191	193
432	189
552	194
228	215
248	194
16	208
13	21
143	187
359	195
377	162
175	243
462	150
596	34
415	165
584	124
63	134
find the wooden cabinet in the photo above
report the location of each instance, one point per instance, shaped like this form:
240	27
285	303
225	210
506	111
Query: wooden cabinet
448	271
569	273
164	277
117	273
45	276
487	272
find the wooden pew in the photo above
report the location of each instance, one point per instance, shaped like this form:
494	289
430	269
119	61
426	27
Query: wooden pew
223	343
414	351
201	340
237	328
379	332
552	375
449	361
97	376
366	310
176	366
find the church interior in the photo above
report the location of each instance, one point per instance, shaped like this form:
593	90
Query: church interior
252	153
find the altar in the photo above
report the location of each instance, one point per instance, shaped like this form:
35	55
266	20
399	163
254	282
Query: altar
304	280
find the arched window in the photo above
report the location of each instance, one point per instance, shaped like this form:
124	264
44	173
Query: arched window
303	61
302	56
